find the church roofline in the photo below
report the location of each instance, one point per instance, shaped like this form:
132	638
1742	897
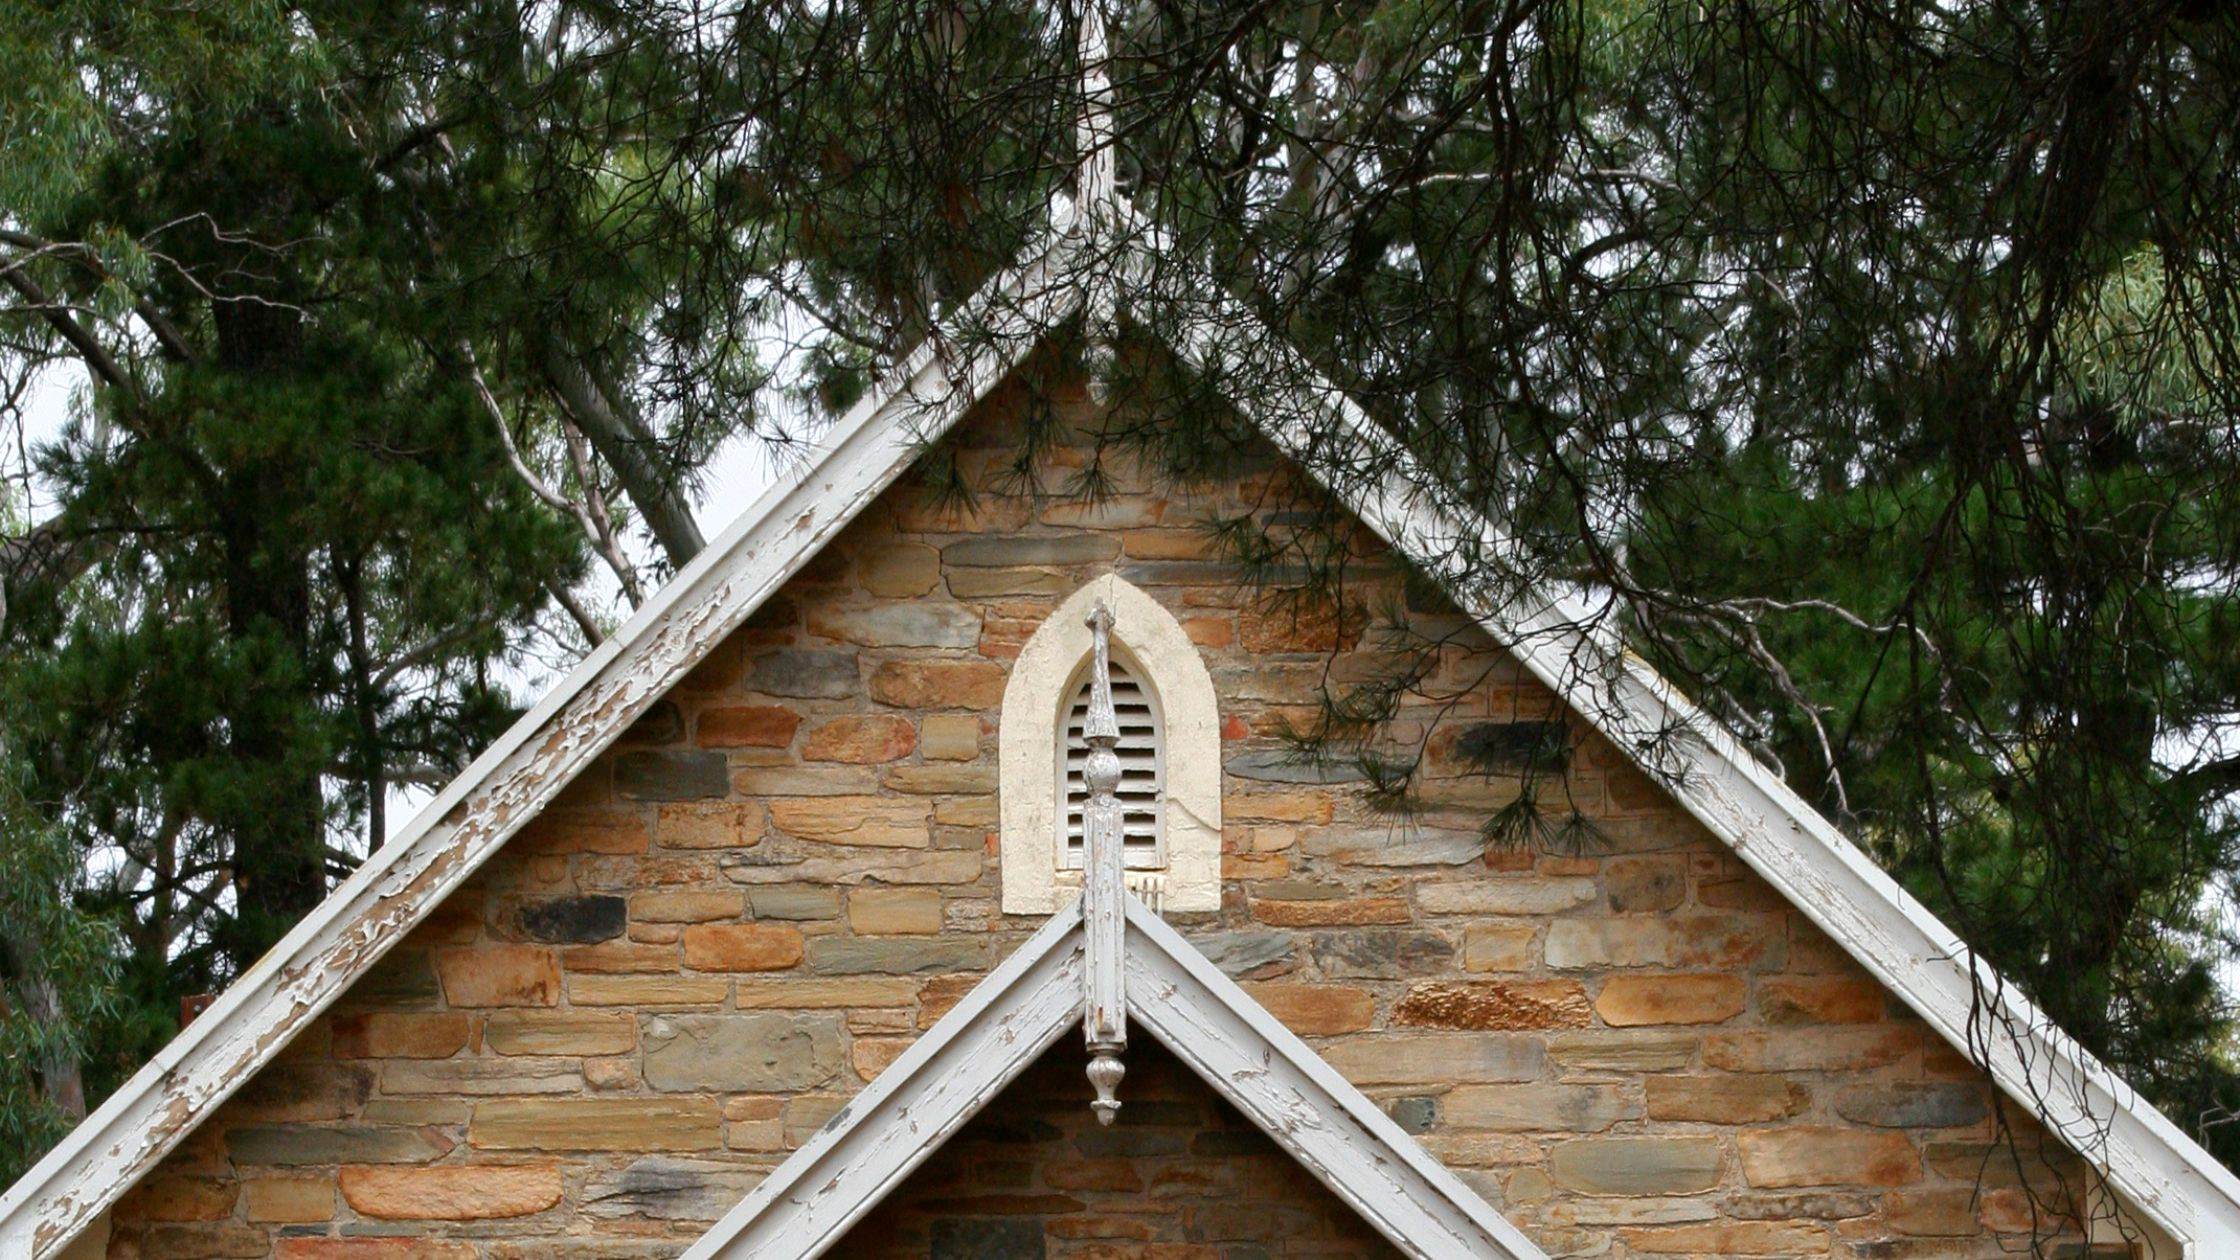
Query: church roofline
2163	1175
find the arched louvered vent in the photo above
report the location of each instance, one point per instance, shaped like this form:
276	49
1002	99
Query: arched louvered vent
1142	771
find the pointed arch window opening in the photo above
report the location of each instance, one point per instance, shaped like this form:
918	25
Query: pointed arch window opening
1142	751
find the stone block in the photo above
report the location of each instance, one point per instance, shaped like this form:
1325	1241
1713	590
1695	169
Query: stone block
1818	1155
1331	912
399	1035
1915	1105
369	1249
686	905
901	956
949	737
619	957
597	1124
170	1197
572	920
1515	1005
1436	1058
1838	1049
561	1032
665	1188
894	911
741	946
748	726
1316	1010
1643	884
876	821
1822	1000
297	1145
804	674
562	830
951	779
852	993
1624	1050
861	739
671	775
1636	1165
794	902
922	624
1499	946
899	570
1538	1107
288	1200
1381	953
461	1078
648	990
760	1052
1627	1001
499	975
466	1192
1039	549
914	684
1724	1099
1713	942
1242	953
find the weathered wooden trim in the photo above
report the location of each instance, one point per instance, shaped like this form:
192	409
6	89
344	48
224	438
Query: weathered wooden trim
863	453
1242	1051
919	1102
1304	1104
1562	639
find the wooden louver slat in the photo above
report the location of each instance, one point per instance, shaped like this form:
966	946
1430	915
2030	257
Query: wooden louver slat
1142	772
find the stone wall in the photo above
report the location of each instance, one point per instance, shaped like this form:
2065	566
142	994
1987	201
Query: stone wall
731	922
1180	1175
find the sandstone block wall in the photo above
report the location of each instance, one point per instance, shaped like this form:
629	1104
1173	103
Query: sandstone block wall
731	922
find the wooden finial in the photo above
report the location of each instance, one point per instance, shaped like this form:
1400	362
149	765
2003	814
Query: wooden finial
1104	1020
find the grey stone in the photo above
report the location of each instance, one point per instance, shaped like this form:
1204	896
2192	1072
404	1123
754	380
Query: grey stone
1913	1106
672	776
755	1053
574	920
805	674
1282	765
1240	952
661	724
1415	1113
834	955
1440	1058
297	1144
1513	746
1822	1205
903	625
1636	1166
1408	846
794	901
993	1239
997	553
1539	1107
1381	953
665	1188
401	981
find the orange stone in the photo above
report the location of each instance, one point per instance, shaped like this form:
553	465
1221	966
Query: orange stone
1334	912
1495	1004
1813	1155
1629	1001
499	975
1822	1000
865	739
748	726
938	684
1316	1010
741	946
459	1193
372	1249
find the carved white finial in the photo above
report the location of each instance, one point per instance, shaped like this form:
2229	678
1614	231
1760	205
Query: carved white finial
1104	1019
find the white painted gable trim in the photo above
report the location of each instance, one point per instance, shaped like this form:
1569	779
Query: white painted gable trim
2161	1172
400	883
808	1204
1562	638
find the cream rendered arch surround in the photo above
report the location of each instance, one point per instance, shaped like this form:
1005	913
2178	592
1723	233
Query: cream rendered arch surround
1154	641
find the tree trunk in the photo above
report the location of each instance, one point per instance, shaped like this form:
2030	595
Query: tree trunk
279	837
